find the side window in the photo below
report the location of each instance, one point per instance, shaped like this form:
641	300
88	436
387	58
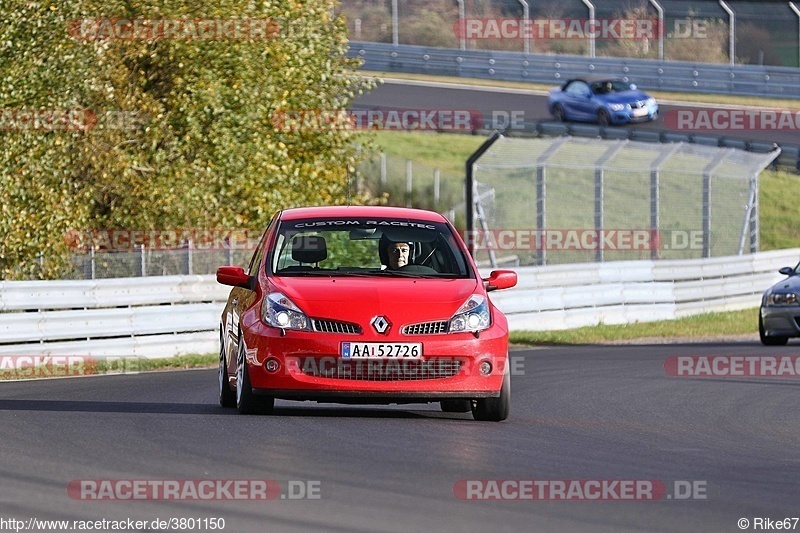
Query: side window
578	88
259	253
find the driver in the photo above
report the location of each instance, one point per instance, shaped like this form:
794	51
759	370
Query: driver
398	254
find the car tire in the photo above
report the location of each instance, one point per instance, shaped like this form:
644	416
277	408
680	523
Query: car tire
494	409
769	340
558	113
456	406
227	398
603	118
248	403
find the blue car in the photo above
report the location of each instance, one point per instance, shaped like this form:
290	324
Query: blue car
605	101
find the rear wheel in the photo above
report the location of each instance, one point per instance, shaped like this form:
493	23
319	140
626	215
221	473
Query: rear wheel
769	340
603	118
494	409
558	113
456	406
227	398
248	403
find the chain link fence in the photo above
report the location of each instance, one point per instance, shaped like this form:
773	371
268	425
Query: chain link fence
570	200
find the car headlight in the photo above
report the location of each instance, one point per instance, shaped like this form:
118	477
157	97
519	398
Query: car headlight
651	101
617	107
782	298
280	312
472	316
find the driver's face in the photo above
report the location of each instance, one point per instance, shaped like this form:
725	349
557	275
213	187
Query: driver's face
398	255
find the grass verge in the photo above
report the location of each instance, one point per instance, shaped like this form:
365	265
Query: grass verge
696	327
30	367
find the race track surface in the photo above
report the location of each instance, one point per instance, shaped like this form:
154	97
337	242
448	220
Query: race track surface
578	413
531	106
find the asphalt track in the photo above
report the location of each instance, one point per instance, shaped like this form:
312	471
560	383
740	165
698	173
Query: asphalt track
529	105
585	412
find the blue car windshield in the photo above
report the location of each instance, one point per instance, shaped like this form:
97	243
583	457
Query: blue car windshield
609	87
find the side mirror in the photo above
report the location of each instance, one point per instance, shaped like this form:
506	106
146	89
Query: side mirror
235	277
787	271
500	279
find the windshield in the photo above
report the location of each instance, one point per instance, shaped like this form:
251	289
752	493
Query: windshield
367	247
609	87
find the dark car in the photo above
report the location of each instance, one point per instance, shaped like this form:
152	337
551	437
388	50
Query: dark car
780	309
605	101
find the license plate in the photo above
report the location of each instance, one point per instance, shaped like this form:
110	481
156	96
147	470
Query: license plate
640	112
381	350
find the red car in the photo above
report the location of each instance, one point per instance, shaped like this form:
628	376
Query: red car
364	305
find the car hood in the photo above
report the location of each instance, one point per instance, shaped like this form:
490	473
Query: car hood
359	300
790	284
626	97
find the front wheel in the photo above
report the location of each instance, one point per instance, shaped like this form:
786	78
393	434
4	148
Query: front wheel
227	398
603	118
248	403
494	409
767	340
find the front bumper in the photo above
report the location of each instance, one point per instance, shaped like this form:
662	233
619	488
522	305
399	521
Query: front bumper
781	321
309	367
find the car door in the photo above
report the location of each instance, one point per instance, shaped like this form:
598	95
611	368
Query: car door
241	299
578	101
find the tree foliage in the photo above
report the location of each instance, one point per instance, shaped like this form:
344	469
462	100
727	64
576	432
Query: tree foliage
174	133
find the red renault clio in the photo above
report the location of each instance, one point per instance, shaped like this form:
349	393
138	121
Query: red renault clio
364	305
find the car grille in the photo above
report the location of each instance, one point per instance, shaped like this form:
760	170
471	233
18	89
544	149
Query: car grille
382	370
334	326
425	328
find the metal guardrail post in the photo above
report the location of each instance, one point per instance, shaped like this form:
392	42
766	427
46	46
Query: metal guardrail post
661	28
707	171
731	30
600	196
395	24
526	17
541	196
655	196
592	24
462	21
796	10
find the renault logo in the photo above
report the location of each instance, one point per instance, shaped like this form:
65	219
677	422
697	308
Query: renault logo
380	324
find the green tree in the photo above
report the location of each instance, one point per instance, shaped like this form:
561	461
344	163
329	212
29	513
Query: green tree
170	132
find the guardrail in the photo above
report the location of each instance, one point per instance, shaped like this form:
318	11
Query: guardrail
147	317
571	296
681	76
172	315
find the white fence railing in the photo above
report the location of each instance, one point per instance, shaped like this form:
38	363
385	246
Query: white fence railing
172	315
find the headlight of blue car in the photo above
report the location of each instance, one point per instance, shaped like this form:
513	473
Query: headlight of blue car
651	102
618	107
782	299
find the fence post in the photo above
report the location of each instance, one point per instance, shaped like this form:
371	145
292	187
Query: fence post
409	184
190	258
93	263
395	24
144	263
436	186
